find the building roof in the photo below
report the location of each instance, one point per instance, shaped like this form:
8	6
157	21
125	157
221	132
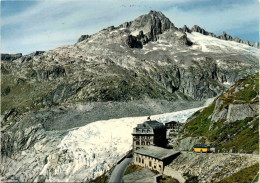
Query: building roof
147	127
171	122
154	124
156	152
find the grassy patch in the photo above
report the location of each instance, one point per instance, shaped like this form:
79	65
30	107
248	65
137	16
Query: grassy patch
167	179
22	94
132	168
238	136
243	176
244	91
199	126
241	136
101	179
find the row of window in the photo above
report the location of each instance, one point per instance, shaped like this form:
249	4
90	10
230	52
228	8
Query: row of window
142	130
143	137
142	160
142	143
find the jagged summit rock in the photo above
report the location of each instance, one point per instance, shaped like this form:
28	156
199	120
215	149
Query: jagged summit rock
151	25
197	28
225	36
186	29
153	21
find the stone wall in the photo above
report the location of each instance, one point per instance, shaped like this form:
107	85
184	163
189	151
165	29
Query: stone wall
173	173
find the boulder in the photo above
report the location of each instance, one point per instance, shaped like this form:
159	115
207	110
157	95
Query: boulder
132	42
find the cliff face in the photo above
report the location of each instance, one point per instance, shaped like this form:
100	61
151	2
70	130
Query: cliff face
231	121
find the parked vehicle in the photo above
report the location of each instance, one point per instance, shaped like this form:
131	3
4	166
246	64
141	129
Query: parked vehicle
202	148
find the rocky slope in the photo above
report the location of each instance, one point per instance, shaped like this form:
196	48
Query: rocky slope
148	58
230	122
208	167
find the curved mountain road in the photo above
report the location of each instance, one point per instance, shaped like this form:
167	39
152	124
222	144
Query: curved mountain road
119	171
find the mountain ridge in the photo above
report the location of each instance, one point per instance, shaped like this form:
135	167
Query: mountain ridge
168	25
110	66
158	23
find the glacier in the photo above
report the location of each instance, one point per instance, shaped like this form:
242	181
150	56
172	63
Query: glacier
95	148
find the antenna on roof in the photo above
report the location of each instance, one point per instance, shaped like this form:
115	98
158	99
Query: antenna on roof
149	118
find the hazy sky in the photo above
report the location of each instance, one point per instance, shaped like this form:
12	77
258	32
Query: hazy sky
28	26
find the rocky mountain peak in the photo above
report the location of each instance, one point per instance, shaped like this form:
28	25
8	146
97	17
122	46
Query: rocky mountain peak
151	24
197	28
225	36
186	29
156	13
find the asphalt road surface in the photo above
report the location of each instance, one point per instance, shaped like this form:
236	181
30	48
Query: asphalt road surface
119	171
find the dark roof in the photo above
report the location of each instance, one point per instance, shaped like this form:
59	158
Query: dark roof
169	122
147	127
154	124
156	152
201	146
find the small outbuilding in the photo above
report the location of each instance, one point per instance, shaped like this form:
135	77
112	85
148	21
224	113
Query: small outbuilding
175	125
154	158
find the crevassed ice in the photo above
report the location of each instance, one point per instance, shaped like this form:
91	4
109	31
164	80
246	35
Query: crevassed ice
96	147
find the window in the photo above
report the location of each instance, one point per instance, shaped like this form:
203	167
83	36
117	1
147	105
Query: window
139	160
148	143
143	143
136	159
154	167
150	164
148	137
137	143
143	161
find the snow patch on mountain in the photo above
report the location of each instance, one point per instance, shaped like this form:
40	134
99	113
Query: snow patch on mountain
212	44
